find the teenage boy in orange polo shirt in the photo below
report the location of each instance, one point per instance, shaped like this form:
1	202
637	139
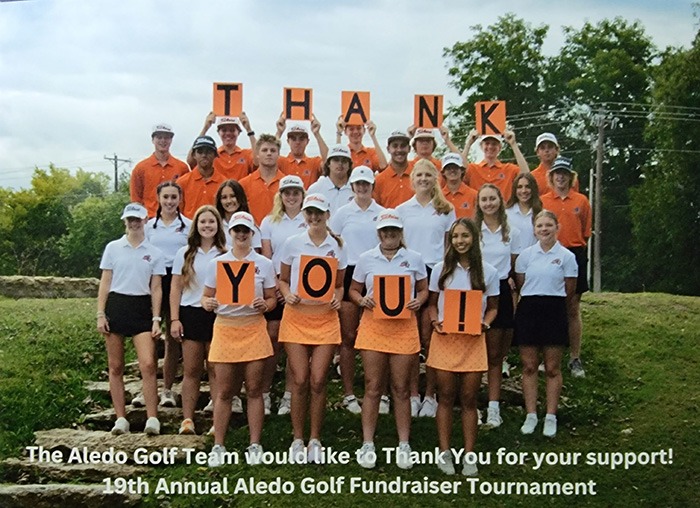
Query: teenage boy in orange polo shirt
462	197
200	185
262	184
309	169
233	162
573	212
490	169
373	158
424	144
547	150
161	166
393	186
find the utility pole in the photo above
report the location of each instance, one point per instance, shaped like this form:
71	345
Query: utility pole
116	160
597	204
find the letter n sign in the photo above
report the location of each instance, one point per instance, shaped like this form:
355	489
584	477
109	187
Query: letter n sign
391	294
491	117
427	111
462	311
297	103
317	276
228	99
235	282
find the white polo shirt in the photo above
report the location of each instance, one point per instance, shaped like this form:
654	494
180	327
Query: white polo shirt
336	196
496	252
300	244
255	242
461	280
424	229
404	262
523	223
192	295
132	267
168	238
357	227
264	279
545	271
278	232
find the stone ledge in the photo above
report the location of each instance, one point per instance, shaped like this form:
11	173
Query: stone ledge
52	495
20	286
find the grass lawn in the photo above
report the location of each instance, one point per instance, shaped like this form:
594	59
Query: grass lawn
640	395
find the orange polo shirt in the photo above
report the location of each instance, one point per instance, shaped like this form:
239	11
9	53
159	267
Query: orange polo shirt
196	191
540	175
365	157
236	165
148	174
309	169
501	174
436	163
392	189
260	194
574	214
464	200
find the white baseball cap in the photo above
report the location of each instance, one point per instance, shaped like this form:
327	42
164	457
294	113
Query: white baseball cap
135	210
291	181
398	135
492	136
297	129
452	158
339	151
422	132
362	174
229	120
242	219
389	218
546	136
317	201
162	128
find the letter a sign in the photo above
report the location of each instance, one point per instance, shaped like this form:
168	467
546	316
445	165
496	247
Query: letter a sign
391	296
491	117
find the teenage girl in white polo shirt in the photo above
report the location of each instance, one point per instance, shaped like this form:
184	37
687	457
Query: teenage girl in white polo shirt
354	222
285	220
387	345
459	359
427	217
500	244
191	324
546	274
240	338
523	206
168	231
128	305
310	330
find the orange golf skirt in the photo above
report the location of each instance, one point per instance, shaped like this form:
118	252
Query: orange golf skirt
457	352
395	336
240	339
313	325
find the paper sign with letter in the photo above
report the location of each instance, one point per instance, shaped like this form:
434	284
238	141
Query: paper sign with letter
427	111
491	117
228	99
317	277
391	294
297	103
235	282
462	311
354	107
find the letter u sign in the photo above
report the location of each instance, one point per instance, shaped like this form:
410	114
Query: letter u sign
391	294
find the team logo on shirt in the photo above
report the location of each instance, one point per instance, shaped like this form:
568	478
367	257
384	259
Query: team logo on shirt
307	172
330	253
501	176
465	205
147	258
405	264
556	261
257	270
241	160
303	225
577	210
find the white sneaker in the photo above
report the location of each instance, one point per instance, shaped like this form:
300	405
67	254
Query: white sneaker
428	408
138	401
415	405
285	406
529	424
384	405
121	426
505	369
541	368
469	469
576	368
297	452
446	462
209	408
210	432
493	417
187	427
253	454
550	426
267	402
236	405
367	456
216	455
479	417
351	404
167	399
314	452
152	427
403	456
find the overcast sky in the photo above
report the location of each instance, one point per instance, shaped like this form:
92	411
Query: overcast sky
83	79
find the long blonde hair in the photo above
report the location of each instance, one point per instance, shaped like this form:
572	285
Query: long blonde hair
278	209
440	203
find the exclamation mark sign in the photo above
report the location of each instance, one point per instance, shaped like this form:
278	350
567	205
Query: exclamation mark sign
462	311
